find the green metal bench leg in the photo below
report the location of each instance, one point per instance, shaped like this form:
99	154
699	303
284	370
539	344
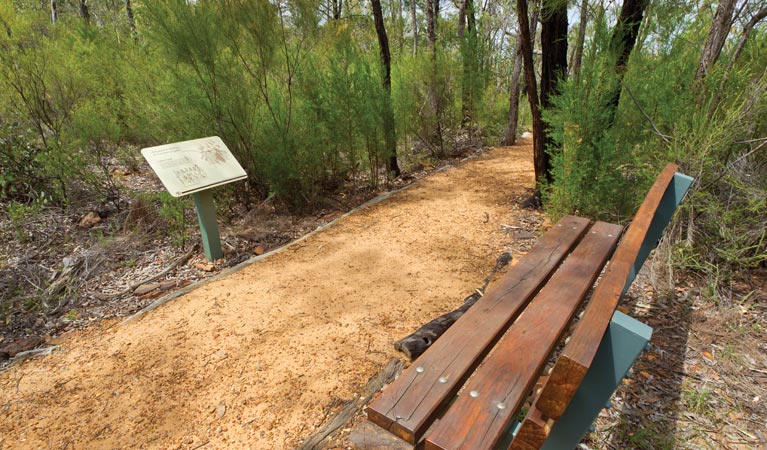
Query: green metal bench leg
623	342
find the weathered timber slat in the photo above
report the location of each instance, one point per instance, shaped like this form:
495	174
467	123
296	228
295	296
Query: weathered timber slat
480	415
572	365
533	431
408	406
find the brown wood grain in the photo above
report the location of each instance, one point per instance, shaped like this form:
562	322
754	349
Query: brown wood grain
577	356
532	433
408	406
487	405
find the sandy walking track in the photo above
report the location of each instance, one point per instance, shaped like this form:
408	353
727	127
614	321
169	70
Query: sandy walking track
255	360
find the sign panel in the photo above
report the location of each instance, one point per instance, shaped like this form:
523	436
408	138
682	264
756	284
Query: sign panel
193	166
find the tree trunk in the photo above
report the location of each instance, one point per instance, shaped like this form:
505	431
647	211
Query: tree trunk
432	15
129	13
575	64
54	12
414	18
390	136
462	19
553	69
622	42
470	64
84	13
511	131
336	7
532	89
758	17
431	24
717	36
400	27
554	51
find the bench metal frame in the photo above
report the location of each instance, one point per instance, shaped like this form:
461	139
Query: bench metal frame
622	344
572	395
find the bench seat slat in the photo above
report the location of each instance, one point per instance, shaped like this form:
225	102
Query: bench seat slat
408	406
572	365
505	378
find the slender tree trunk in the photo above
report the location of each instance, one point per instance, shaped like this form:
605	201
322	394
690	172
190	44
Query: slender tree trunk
622	42
717	36
54	12
470	64
431	24
575	64
511	131
84	13
414	18
129	13
390	136
532	89
432	16
758	17
462	19
400	27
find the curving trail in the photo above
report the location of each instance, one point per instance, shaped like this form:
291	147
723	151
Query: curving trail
257	359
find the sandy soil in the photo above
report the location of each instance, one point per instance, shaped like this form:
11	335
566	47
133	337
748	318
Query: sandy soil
259	358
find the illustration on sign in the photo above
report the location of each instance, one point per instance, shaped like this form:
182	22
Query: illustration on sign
192	166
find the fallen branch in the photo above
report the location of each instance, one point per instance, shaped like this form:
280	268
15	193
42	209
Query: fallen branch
331	427
184	258
415	344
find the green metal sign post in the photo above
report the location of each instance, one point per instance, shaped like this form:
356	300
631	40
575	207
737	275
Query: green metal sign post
206	216
196	167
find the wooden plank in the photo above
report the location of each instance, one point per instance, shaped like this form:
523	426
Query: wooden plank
576	358
409	405
532	432
479	416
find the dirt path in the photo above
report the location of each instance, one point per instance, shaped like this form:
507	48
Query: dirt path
257	359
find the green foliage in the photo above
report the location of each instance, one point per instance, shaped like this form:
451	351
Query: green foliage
712	129
66	107
424	97
592	163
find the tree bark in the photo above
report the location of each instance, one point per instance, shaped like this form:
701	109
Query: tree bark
470	64
758	17
390	136
532	89
462	19
575	64
622	42
554	51
511	131
432	15
84	13
431	24
54	12
414	18
129	13
553	69
717	36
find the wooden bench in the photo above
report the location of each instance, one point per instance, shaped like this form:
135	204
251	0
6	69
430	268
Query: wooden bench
468	389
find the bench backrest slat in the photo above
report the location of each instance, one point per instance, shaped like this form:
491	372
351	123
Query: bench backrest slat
408	406
642	235
487	405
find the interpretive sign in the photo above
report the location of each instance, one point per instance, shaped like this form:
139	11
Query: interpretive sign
193	166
